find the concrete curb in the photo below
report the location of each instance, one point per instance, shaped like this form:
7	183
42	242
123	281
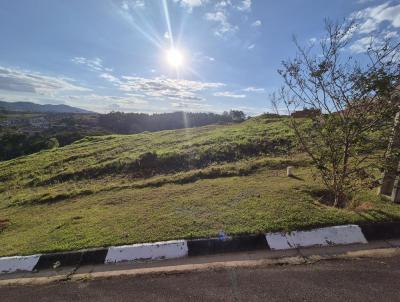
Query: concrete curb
328	236
343	234
147	251
18	263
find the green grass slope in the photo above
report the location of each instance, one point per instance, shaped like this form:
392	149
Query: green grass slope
186	183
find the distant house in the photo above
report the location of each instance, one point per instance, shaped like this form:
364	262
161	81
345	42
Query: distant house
306	113
13	122
39	122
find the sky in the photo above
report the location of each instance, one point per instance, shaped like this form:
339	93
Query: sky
115	55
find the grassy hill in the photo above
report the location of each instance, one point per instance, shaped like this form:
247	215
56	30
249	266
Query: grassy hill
186	183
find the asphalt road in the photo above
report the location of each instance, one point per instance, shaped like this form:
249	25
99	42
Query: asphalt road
349	280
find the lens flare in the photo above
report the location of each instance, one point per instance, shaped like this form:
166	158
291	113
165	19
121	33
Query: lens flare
175	58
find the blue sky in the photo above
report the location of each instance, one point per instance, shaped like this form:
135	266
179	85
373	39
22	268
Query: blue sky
112	54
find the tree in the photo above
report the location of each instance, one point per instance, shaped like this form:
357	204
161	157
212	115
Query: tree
355	99
237	115
52	143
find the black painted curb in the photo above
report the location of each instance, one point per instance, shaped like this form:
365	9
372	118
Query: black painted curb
72	258
380	230
208	246
196	247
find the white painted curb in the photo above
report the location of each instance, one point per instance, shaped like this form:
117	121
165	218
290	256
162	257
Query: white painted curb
148	251
345	234
18	263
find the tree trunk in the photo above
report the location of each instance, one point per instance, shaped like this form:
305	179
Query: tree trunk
396	187
392	160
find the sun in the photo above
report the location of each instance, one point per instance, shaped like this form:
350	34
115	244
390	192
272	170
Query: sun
175	58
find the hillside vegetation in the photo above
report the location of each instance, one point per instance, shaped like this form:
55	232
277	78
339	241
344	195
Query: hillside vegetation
185	183
24	133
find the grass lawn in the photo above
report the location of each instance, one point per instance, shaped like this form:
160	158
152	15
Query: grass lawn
244	196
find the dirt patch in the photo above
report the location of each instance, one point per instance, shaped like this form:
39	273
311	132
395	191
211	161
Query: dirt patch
4	223
323	196
362	206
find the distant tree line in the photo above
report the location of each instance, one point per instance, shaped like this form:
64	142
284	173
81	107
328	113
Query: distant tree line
14	142
126	123
17	144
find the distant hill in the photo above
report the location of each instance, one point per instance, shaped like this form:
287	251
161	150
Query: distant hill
32	107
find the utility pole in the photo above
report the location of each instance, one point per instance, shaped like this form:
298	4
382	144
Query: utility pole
391	178
396	188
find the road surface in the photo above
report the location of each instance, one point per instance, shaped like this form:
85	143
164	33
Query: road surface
335	280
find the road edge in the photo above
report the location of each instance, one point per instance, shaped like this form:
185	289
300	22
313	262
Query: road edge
326	236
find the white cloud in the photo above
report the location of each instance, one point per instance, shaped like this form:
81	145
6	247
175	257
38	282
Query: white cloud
251	46
106	103
370	18
364	1
221	14
109	77
139	3
229	94
191	106
224	27
128	99
25	81
167	36
254	89
158	83
390	34
190	4
256	23
245	5
313	40
95	64
223	4
126	5
361	45
162	87
135	94
200	57
383	19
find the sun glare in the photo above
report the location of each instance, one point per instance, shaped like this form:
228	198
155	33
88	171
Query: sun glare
175	58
